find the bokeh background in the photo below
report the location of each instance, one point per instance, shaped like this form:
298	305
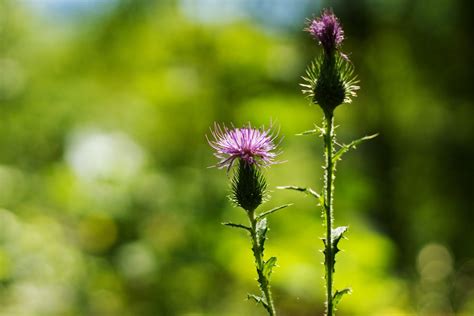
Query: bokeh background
107	206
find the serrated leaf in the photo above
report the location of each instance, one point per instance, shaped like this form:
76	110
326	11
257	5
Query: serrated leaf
338	296
336	235
268	267
273	210
257	299
352	145
262	229
234	225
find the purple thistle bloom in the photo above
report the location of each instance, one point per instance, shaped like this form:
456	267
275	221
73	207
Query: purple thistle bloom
253	146
327	30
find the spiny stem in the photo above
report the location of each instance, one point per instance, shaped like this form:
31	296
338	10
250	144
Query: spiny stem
328	207
259	262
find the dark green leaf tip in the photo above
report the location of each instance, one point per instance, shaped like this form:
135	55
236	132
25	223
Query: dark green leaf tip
234	225
300	189
273	210
338	296
352	145
268	267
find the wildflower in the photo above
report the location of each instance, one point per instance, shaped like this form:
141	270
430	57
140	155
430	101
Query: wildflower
253	146
327	30
330	79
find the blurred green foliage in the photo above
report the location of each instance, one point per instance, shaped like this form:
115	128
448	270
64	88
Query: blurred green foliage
106	204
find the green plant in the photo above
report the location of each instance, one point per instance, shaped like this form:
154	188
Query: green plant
329	82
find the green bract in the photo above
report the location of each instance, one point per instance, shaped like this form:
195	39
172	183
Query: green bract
330	81
248	186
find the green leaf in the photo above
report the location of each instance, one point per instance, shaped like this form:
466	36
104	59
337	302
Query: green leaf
336	235
300	189
338	296
345	148
257	299
262	229
264	214
310	132
237	226
316	130
268	267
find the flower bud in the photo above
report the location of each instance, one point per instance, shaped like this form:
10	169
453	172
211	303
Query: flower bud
248	186
329	90
330	79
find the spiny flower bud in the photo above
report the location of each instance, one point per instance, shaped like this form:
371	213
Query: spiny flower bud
248	186
330	79
329	90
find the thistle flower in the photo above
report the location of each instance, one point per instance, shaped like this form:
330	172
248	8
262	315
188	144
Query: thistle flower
330	79
329	82
253	146
327	30
248	187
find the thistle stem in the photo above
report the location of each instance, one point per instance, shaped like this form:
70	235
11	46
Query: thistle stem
263	281
328	208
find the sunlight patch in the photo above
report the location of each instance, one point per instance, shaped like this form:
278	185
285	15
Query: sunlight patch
97	155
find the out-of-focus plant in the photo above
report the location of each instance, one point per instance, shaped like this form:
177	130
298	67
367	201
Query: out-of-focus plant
251	149
329	82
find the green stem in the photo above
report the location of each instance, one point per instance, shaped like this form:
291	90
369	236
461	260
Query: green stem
263	282
328	207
